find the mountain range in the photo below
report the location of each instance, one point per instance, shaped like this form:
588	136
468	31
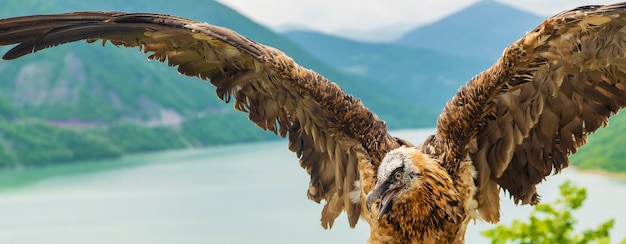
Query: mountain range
80	102
480	31
433	60
429	62
419	75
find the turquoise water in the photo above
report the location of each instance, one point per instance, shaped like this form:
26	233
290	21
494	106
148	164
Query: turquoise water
253	193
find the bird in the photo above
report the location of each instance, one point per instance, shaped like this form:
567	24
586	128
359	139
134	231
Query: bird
507	129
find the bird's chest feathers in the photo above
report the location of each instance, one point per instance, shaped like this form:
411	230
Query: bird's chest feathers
429	213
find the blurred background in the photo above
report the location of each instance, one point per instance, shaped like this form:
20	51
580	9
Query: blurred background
98	145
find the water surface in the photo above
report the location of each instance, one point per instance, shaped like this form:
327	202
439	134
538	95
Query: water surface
252	193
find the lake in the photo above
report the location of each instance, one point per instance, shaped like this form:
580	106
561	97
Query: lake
251	193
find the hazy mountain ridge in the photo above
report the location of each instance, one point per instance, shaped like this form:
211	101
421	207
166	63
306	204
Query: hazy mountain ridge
420	75
429	62
456	47
480	31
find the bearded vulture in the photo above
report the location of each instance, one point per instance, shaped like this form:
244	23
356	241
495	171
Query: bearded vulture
508	128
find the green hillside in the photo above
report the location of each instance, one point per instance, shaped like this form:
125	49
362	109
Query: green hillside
80	101
605	148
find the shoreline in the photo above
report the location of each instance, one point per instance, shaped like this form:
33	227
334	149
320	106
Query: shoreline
599	172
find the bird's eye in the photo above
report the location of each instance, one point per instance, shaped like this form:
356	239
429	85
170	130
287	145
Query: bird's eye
397	176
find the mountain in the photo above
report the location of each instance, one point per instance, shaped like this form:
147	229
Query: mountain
432	61
209	11
474	39
422	76
79	101
481	30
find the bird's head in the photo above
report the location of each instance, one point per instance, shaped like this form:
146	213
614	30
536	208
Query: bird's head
405	174
399	172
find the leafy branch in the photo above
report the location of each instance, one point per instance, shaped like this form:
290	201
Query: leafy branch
553	223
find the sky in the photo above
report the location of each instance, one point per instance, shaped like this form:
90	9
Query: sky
360	18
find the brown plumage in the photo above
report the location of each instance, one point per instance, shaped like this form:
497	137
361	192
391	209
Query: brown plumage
508	128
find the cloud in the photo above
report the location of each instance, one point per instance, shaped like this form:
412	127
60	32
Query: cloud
343	17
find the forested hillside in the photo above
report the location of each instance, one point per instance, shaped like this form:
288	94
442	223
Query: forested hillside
81	101
605	149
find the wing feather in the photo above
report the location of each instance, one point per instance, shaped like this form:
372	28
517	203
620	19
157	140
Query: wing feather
331	132
536	105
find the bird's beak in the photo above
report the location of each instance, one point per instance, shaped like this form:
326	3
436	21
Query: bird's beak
386	193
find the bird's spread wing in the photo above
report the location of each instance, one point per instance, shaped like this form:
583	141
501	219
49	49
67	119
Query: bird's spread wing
520	119
332	133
